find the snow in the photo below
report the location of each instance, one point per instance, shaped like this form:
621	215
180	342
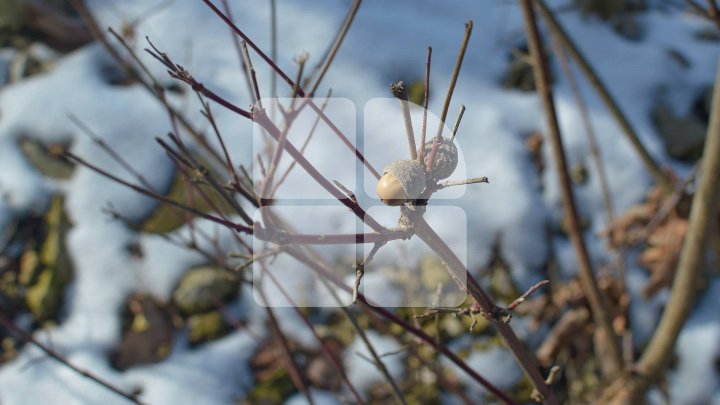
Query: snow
318	396
698	350
359	367
387	43
494	363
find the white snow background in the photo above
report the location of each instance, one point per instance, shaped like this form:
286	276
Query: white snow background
386	43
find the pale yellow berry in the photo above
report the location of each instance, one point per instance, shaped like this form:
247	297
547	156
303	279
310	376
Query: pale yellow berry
402	181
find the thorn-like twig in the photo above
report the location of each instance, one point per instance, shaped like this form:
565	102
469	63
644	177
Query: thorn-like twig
612	362
457	122
451	89
527	293
426	100
535	395
473	180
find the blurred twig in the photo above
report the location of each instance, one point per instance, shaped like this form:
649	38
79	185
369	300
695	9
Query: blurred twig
612	360
660	177
339	38
683	294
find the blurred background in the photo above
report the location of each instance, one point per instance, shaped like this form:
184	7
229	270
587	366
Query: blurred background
157	305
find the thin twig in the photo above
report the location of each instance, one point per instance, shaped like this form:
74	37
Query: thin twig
286	238
207	112
326	272
303	147
179	73
150	83
473	180
110	151
454	77
360	268
292	84
448	95
612	361
457	122
159	197
400	92
684	290
238	49
205	174
661	179
527	293
426	100
265	122
339	38
459	272
28	338
359	273
359	329
251	73
333	361
292	366
273	47
589	130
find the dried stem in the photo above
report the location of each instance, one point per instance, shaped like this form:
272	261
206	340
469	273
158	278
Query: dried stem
400	92
692	258
473	180
326	272
589	131
612	360
238	49
265	122
251	73
627	349
661	179
426	100
376	361
303	147
448	95
527	293
454	77
273	46
457	122
339	38
285	238
458	271
149	82
293	85
159	197
333	361
207	112
292	367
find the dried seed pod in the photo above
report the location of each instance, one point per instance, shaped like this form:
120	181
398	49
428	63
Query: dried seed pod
446	159
402	181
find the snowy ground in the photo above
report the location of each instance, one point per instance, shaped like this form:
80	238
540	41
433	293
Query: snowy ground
387	43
